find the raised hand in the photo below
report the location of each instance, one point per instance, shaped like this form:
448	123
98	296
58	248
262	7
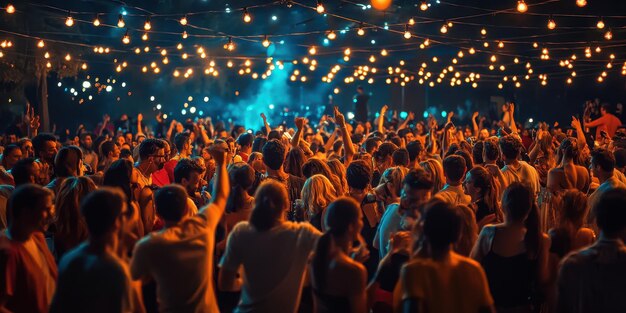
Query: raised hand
106	118
475	115
339	118
411	116
218	152
263	117
300	122
575	123
139	117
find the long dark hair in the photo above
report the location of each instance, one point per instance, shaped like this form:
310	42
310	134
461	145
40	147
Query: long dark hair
518	202
118	175
488	190
242	177
270	202
67	161
69	223
293	162
340	214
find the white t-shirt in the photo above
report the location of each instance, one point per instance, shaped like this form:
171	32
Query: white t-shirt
454	195
525	174
92	283
274	263
180	260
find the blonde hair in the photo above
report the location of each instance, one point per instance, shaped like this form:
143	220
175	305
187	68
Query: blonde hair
338	169
317	194
394	175
434	168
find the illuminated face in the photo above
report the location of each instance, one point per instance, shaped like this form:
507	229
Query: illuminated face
12	157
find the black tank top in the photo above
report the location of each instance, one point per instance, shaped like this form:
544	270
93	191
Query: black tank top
511	279
331	303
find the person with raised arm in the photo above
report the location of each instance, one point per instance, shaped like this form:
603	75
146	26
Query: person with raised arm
345	136
179	258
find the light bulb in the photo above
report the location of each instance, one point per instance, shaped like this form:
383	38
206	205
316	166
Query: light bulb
41	44
312	50
183	20
608	35
68	57
69	21
246	16
144	37
266	42
483	32
360	31
383	52
10	9
424	6
551	24
407	33
185	35
472	50
126	39
320	7
147	25
120	21
581	3
600	24
96	21
444	29
521	6
332	35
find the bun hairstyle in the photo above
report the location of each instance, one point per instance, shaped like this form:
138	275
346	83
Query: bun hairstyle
340	214
270	202
569	148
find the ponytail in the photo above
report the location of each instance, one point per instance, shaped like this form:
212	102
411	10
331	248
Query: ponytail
271	201
320	260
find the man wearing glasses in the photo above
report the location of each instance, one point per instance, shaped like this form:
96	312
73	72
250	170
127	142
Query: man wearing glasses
151	159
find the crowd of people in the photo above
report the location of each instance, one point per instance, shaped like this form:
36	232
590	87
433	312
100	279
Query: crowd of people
387	215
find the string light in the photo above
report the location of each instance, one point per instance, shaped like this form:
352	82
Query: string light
69	21
183	20
521	6
120	21
230	45
411	21
246	16
331	35
126	38
551	24
444	29
424	6
483	32
383	52
10	8
41	44
96	21
147	25
312	51
360	31
266	42
144	37
68	57
608	35
581	3
407	33
320	7
185	35
600	24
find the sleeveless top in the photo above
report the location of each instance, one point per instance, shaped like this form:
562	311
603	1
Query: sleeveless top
330	303
511	279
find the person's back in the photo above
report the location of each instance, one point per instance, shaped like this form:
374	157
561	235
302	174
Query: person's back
567	177
522	173
179	258
92	282
592	280
457	284
273	262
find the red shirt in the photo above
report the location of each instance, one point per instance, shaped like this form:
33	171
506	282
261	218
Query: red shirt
21	280
608	123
